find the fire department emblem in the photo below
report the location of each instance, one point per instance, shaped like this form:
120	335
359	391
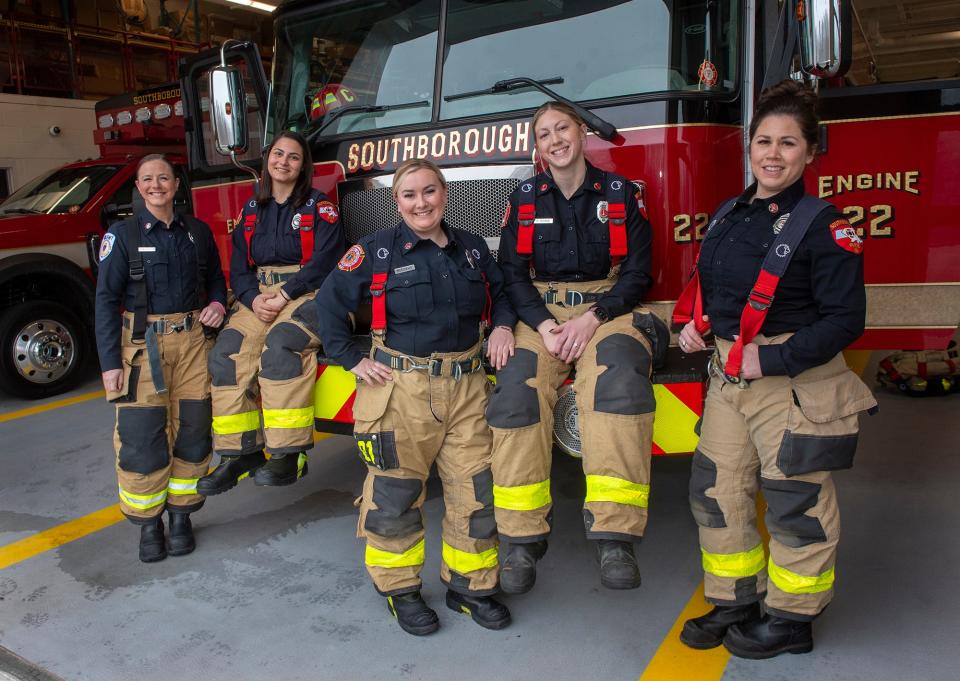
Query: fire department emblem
544	186
602	212
708	73
295	223
596	186
773	208
106	246
781	221
351	259
327	212
846	236
407	246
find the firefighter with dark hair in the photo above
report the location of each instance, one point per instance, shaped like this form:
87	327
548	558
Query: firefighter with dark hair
420	397
779	282
575	253
288	239
163	269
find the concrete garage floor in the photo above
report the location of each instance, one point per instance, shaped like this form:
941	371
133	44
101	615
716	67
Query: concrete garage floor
276	588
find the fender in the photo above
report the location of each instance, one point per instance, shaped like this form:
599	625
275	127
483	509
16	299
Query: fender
50	268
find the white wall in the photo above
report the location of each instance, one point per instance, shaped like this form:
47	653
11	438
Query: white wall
26	145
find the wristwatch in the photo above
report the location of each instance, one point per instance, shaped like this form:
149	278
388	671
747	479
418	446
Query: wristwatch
602	315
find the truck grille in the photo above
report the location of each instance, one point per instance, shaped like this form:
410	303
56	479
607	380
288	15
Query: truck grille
477	197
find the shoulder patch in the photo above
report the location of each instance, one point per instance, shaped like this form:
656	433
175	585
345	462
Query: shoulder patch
106	245
846	236
327	211
351	259
506	216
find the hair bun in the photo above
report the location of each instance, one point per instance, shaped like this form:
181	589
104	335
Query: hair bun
787	94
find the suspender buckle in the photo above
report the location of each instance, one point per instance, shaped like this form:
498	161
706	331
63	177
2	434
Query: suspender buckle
136	271
759	301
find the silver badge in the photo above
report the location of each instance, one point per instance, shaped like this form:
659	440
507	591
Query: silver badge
295	223
382	253
781	221
602	211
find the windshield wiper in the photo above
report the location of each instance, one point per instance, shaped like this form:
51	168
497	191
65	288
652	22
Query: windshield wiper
604	129
19	211
359	108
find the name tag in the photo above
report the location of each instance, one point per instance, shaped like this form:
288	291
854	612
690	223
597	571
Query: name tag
543	221
405	268
146	249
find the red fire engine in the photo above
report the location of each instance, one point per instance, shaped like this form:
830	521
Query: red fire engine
456	82
49	232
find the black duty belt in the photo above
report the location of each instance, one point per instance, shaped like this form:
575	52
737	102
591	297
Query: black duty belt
271	278
434	367
572	298
162	327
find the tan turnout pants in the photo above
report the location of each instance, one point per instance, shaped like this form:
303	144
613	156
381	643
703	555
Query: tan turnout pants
615	406
276	362
782	435
401	429
162	440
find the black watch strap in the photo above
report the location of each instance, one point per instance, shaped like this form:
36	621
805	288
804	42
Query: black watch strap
602	316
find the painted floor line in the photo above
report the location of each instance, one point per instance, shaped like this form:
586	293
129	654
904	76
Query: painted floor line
40	408
55	537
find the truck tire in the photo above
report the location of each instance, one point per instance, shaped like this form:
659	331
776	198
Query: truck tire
43	350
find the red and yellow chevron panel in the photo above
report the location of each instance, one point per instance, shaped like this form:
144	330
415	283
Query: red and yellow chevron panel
679	405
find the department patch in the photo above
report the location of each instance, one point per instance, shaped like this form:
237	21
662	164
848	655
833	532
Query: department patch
351	259
638	197
708	73
781	221
846	236
602	212
506	215
327	212
106	246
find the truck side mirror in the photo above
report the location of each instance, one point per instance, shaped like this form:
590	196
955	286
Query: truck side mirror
228	109
825	37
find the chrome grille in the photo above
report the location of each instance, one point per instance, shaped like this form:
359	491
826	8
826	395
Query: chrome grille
477	197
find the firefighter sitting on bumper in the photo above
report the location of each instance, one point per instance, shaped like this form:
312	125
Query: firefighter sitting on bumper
421	397
287	241
780	281
575	253
162	268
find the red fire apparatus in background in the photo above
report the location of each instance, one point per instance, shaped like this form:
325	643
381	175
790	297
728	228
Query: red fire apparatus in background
456	82
49	232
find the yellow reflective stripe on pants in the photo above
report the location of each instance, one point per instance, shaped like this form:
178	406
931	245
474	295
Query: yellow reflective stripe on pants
182	485
236	423
792	583
413	556
742	564
464	561
288	418
522	497
143	501
617	490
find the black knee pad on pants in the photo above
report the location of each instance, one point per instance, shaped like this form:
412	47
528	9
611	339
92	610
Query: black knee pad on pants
514	404
787	504
703	475
194	440
143	439
280	359
394	516
222	367
624	386
483	525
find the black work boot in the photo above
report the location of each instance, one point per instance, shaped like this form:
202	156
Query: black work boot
152	547
180	539
485	610
618	564
229	472
281	470
707	631
518	573
768	637
414	616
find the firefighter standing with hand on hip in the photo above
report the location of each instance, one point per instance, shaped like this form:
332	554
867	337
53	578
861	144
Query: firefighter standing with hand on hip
288	239
780	282
421	395
162	268
575	253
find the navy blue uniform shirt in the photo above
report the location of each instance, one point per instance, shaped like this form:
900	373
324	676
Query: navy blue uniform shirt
277	242
575	246
171	271
820	297
435	297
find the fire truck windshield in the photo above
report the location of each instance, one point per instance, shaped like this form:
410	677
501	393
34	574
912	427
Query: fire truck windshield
374	53
65	190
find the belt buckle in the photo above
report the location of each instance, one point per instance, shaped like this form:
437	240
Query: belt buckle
457	372
575	298
411	364
715	369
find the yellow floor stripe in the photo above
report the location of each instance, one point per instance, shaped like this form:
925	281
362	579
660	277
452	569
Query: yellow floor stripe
673	660
39	409
55	537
